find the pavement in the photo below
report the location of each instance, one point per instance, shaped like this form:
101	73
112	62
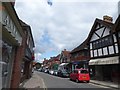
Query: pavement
37	82
106	83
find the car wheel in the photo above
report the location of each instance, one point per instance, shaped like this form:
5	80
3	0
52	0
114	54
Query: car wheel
88	81
77	80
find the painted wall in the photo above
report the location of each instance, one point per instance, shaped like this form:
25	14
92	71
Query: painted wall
99	32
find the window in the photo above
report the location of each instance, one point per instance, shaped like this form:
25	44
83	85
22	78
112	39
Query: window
84	71
107	41
76	71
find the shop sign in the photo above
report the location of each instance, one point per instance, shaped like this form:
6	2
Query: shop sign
103	61
10	26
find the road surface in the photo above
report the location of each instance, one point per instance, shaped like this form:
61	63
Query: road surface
52	82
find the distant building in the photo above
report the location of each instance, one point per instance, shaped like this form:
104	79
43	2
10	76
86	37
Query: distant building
27	51
80	56
65	56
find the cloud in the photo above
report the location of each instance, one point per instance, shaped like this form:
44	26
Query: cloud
62	25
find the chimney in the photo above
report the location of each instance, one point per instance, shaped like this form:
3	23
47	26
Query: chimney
13	2
108	19
44	59
64	49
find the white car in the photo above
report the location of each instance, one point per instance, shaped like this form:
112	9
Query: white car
51	72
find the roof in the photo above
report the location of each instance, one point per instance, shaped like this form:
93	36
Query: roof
85	43
80	47
66	53
63	64
23	24
98	21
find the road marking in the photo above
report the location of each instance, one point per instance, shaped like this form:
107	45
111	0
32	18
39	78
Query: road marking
44	86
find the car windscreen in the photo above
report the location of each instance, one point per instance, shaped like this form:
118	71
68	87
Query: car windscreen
64	71
84	71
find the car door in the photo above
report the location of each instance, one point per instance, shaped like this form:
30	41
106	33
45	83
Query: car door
75	74
72	75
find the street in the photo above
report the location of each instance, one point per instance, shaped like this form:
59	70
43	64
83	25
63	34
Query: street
51	81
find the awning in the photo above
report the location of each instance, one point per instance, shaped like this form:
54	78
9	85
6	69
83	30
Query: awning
102	61
80	61
63	64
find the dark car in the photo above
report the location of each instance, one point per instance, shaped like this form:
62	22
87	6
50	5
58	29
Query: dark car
63	73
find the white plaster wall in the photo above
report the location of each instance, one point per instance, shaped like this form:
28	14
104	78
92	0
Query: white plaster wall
94	37
100	31
95	53
100	52
111	50
105	51
106	32
114	37
90	45
116	48
91	54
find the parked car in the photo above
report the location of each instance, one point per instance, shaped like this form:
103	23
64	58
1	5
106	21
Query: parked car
46	70
55	72
40	69
51	72
32	70
80	75
63	73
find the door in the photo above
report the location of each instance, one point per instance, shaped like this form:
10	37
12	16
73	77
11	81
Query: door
107	72
6	65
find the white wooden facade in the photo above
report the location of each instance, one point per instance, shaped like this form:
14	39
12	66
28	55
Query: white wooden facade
103	44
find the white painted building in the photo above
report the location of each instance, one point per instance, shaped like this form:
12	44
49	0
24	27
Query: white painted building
104	57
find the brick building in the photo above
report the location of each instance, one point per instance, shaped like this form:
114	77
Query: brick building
11	44
64	56
14	47
28	52
80	56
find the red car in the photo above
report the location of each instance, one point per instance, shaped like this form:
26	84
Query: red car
80	75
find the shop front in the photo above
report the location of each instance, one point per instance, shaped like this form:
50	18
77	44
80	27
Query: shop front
7	61
80	64
105	69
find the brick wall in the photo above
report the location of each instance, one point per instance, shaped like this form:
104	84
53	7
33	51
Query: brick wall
16	73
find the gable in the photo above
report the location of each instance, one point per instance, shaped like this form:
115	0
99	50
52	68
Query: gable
99	31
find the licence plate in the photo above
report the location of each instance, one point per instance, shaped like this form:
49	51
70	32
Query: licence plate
84	77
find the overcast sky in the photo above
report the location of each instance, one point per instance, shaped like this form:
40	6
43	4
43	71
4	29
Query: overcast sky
64	25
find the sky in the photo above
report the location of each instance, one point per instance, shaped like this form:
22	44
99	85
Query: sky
63	25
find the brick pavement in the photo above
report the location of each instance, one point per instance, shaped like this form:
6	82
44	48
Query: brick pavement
35	82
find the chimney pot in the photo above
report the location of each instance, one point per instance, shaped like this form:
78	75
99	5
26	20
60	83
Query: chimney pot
64	49
108	18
